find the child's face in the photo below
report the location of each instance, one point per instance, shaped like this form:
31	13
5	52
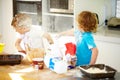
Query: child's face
20	30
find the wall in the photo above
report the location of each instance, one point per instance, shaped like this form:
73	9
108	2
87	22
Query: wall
8	33
104	8
0	20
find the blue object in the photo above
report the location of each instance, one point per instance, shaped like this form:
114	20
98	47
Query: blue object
84	44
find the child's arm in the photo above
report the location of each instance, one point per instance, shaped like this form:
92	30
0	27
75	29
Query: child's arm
67	33
17	45
48	37
94	55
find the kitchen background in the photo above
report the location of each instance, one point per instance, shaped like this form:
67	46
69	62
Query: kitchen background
107	42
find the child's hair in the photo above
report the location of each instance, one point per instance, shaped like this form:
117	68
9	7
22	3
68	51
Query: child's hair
21	20
87	21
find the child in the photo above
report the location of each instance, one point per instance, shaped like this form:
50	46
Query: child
86	50
31	37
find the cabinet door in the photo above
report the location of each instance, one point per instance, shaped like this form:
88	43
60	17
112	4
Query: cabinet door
55	22
109	53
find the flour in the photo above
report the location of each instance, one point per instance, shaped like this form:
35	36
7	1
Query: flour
96	70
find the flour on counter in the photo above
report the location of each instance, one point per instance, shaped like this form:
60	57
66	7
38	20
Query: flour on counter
94	70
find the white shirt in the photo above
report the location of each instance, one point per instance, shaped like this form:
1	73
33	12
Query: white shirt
33	38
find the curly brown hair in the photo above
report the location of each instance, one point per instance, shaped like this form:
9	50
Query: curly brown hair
87	21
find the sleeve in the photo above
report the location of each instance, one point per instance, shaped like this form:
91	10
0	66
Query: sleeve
90	42
77	34
19	36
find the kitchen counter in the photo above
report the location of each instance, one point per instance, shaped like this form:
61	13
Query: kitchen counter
103	34
105	31
27	72
117	77
107	35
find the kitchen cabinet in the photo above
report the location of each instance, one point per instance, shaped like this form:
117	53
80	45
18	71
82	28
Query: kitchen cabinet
108	51
31	7
55	22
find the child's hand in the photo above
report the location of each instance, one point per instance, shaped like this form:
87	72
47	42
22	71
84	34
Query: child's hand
22	51
57	36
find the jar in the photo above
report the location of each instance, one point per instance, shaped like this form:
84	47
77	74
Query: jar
38	63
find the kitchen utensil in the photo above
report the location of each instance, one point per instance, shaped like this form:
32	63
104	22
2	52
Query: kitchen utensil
10	59
38	63
98	71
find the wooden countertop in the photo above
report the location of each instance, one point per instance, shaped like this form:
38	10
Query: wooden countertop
27	72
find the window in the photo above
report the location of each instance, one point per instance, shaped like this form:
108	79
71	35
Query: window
31	7
118	9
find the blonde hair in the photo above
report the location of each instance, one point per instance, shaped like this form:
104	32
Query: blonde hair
87	21
21	20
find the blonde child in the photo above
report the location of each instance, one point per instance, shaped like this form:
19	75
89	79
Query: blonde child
31	37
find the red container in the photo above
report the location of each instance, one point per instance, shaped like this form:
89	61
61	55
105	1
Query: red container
71	48
38	63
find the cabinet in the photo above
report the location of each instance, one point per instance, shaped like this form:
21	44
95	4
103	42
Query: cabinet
55	22
31	7
109	53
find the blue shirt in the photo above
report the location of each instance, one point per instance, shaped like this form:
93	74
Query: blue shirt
84	44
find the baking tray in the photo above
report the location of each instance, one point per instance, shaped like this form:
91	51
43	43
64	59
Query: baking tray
10	59
104	71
